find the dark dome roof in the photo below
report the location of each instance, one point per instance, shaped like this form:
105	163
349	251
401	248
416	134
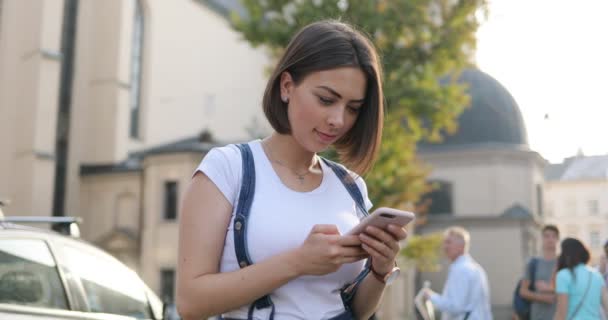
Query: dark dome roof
492	119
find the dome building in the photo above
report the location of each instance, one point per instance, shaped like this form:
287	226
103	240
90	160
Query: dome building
489	181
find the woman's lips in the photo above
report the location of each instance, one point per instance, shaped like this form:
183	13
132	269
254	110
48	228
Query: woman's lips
326	137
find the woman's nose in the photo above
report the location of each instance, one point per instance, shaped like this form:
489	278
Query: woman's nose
335	118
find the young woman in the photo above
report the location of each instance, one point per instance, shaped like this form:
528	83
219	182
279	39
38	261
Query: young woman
325	91
580	289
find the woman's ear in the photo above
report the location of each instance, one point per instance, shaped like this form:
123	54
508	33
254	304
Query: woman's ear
286	86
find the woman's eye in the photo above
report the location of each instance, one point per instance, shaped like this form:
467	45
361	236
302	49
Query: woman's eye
325	101
354	109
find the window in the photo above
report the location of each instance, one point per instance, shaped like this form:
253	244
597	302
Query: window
594	239
137	40
28	275
170	200
539	199
110	287
167	285
593	206
1	19
440	198
549	209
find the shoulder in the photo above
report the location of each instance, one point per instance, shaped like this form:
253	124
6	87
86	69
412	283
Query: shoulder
359	181
227	152
597	276
467	265
476	268
564	275
227	157
356	177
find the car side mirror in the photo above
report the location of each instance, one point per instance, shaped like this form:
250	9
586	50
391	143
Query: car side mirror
170	311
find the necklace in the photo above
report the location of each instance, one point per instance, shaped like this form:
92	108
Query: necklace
298	175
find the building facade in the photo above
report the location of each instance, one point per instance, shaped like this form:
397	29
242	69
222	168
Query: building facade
490	182
84	85
577	200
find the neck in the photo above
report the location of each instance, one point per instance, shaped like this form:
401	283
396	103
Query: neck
549	254
284	149
458	256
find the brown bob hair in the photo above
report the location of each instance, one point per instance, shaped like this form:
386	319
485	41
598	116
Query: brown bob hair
327	45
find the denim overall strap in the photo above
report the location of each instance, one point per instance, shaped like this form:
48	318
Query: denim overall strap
246	195
347	292
350	185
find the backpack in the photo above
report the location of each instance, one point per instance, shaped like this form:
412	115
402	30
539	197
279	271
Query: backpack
521	305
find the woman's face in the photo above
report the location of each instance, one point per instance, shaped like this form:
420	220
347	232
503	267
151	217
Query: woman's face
324	106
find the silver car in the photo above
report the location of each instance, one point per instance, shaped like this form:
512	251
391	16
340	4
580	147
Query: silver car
47	275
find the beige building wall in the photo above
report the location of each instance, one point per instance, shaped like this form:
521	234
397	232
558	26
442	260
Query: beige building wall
160	236
206	78
486	182
110	201
197	73
580	210
30	62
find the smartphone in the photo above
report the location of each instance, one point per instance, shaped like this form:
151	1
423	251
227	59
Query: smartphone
381	218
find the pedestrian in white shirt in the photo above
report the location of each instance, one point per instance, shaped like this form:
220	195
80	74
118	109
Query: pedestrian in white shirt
466	295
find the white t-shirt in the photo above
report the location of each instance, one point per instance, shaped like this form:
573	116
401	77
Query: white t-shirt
280	219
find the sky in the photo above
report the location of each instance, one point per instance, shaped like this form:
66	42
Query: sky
552	56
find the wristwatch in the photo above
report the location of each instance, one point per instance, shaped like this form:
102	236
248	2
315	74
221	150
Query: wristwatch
388	277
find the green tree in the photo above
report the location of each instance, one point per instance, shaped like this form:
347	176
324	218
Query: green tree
420	42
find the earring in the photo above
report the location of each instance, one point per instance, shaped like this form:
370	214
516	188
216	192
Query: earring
285	99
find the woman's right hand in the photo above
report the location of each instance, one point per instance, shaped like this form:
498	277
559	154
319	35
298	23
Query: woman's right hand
325	251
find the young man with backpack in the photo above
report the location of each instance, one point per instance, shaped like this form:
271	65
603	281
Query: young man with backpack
535	297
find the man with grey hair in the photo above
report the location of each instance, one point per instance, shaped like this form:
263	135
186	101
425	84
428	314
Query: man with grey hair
466	294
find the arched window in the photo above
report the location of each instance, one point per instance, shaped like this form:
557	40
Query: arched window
440	197
137	42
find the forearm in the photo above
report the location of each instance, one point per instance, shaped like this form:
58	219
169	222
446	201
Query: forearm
213	294
605	299
559	315
450	304
543	297
540	296
561	310
368	297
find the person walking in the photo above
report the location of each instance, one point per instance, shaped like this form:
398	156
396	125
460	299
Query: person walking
581	290
466	294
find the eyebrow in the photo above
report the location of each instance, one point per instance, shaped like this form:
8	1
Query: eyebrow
332	91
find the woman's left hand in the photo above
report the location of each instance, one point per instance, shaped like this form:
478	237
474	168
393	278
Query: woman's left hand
382	246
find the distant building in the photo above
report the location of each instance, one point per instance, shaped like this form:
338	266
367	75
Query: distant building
490	182
577	199
90	89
